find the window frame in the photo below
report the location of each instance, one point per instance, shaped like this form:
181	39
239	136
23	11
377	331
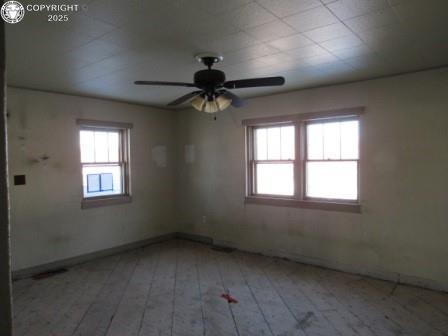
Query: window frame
123	161
299	199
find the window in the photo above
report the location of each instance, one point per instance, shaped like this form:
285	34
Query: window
104	161
331	163
307	160
274	160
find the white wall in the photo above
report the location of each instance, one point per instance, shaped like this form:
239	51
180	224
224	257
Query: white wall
403	227
46	218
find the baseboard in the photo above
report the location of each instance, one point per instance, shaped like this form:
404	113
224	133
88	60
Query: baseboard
194	237
376	274
30	271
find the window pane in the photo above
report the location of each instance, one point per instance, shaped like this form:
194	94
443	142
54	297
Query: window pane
98	180
287	146
113	146
274	143
261	143
93	183
335	180
315	144
275	179
101	147
107	182
86	140
332	141
349	139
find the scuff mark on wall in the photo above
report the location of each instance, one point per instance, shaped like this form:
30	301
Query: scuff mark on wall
159	156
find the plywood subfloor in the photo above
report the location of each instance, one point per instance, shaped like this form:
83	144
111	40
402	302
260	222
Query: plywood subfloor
175	288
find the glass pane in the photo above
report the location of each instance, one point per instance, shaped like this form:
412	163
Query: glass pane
107	182
349	139
86	141
107	179
275	179
287	146
113	147
101	147
332	140
93	183
261	143
274	143
334	180
315	141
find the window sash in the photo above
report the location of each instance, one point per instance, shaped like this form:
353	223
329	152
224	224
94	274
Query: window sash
121	143
254	175
328	199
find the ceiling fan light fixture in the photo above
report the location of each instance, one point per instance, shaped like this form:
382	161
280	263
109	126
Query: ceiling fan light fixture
211	107
223	102
217	104
198	103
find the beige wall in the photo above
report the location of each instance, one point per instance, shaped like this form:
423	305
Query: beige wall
403	227
404	182
47	221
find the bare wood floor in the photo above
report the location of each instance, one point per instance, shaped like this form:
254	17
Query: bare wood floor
175	288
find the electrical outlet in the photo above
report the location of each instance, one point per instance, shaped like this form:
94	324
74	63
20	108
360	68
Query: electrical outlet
204	219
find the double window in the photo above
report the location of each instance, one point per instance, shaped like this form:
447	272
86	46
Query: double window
104	161
305	160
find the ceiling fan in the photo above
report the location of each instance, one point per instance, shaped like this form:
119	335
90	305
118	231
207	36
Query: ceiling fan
213	94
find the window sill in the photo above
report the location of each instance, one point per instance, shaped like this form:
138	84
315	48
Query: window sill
306	204
96	202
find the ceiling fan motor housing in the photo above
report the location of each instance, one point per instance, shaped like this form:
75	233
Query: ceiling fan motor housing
209	79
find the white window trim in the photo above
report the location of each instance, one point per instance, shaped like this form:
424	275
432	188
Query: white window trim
125	196
299	199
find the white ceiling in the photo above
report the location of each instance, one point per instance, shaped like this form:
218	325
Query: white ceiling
101	50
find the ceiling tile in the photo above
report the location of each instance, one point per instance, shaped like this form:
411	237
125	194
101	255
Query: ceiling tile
328	32
248	16
321	59
383	17
311	19
345	42
95	51
392	35
346	9
270	31
308	51
117	12
282	8
228	43
219	6
249	53
372	60
351	52
86	25
275	59
291	42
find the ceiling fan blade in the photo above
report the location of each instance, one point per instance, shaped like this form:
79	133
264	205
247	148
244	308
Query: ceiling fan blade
254	82
236	101
184	98
164	83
